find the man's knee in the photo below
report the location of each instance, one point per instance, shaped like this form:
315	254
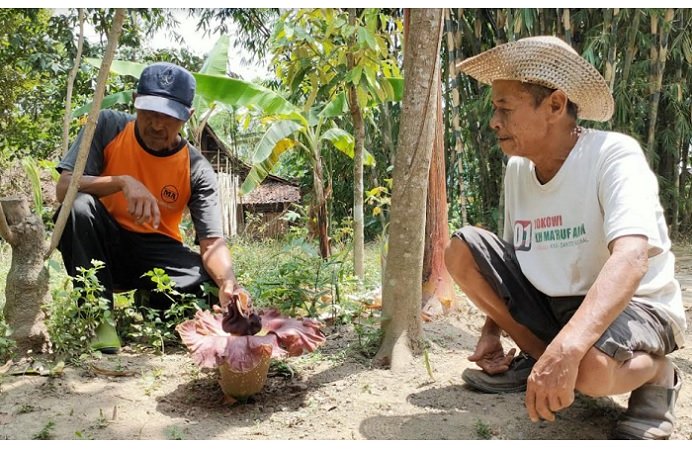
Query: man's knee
596	374
458	257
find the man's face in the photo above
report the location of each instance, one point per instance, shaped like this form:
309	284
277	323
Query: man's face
520	126
158	131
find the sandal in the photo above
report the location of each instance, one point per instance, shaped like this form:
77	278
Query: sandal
513	380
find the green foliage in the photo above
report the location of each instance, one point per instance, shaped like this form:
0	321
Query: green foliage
75	313
152	327
46	432
483	430
305	284
6	344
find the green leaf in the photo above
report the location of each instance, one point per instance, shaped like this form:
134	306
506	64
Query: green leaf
341	139
365	38
397	85
276	132
217	61
336	107
260	171
344	142
121	67
234	92
219	88
119	98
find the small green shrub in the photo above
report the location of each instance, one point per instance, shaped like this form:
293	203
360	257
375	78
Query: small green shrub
46	432
151	326
483	430
77	310
304	283
6	344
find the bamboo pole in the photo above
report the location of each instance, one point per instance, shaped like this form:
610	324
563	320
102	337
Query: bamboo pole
658	64
89	128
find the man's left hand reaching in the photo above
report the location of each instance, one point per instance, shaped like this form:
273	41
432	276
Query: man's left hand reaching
550	387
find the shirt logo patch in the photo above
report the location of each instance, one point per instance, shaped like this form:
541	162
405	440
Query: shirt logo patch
169	193
522	235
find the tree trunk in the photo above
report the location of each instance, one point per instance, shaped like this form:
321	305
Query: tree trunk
658	64
631	45
359	136
70	85
26	289
454	50
320	204
438	290
567	23
402	291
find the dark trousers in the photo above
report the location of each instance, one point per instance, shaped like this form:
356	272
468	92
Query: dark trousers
92	234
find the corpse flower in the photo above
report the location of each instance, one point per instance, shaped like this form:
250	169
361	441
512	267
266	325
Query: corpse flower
242	357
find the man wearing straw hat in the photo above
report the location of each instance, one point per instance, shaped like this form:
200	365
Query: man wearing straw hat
583	277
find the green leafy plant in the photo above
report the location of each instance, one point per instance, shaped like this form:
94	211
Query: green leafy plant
483	430
153	327
6	344
76	312
46	432
174	433
305	283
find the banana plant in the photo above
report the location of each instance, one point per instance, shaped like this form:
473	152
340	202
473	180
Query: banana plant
305	132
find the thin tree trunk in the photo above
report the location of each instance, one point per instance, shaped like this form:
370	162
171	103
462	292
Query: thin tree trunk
454	50
567	23
402	292
610	27
70	86
631	45
658	64
359	136
320	204
89	128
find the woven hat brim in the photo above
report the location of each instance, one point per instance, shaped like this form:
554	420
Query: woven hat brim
546	64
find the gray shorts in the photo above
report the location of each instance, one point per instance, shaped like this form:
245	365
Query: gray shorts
640	327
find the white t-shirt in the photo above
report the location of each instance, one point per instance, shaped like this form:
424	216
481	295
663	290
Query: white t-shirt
561	229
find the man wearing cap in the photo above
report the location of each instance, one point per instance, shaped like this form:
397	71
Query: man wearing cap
583	277
140	176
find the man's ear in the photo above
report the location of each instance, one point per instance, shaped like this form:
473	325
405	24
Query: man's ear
192	111
557	103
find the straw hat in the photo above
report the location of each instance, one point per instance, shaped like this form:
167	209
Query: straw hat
549	62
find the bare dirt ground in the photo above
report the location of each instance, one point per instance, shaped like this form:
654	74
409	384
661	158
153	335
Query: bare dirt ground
335	394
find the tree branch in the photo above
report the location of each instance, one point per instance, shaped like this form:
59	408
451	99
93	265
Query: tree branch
89	129
70	85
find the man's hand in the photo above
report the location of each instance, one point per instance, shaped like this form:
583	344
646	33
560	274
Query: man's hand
490	356
141	204
550	386
226	291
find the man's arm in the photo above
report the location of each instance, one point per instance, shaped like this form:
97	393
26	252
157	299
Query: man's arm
552	381
140	202
217	261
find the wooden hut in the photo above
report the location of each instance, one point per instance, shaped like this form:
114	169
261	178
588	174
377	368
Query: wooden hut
258	213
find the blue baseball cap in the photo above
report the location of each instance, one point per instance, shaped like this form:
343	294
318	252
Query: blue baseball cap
166	88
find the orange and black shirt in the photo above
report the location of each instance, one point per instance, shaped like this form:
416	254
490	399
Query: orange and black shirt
177	178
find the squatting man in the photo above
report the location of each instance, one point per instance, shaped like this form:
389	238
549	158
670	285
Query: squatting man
583	277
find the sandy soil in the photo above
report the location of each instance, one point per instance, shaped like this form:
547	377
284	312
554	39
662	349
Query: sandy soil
334	394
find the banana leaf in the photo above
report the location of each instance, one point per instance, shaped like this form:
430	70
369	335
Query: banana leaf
344	142
260	171
268	151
